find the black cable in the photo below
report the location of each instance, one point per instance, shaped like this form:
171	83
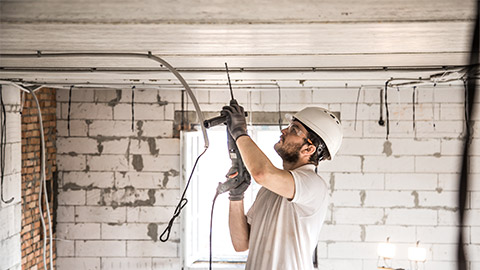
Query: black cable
463	187
133	108
3	143
279	109
386	108
465	105
413	104
211	226
181	204
380	121
69	106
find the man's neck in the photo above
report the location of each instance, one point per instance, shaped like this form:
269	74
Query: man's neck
293	166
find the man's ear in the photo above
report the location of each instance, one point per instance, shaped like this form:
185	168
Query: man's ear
309	149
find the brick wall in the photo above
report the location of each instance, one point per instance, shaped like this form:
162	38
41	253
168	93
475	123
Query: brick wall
32	232
10	213
118	187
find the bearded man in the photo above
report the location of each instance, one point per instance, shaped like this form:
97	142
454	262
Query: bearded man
281	229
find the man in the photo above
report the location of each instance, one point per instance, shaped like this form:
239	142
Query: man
282	227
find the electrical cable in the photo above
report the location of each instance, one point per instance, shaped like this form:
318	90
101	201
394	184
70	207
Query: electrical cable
464	175
181	204
413	104
279	109
433	98
133	108
211	230
386	108
465	105
3	144
380	121
69	106
43	188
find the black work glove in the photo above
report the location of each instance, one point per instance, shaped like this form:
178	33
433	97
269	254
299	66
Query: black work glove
236	194
236	122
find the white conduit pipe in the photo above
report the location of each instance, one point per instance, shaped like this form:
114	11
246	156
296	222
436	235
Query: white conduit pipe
149	55
43	184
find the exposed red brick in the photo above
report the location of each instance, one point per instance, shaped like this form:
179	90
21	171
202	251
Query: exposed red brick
32	233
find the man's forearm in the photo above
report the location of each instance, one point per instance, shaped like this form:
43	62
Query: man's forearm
239	228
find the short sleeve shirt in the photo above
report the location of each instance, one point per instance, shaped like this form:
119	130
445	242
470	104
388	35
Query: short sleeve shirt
284	233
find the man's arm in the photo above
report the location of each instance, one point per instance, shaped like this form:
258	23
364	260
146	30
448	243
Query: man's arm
263	171
239	228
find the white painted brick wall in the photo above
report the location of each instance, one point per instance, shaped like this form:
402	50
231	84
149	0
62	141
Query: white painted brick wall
104	248
10	214
126	263
404	188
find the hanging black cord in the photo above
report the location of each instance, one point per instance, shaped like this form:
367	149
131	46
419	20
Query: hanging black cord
413	104
211	229
279	109
181	204
386	108
69	106
3	143
463	188
465	105
380	121
133	108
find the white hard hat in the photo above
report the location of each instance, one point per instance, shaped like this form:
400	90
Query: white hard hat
324	123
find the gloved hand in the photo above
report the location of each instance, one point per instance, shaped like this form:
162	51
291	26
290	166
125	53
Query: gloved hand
236	194
236	122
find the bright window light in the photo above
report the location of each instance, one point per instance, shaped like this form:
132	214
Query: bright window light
211	170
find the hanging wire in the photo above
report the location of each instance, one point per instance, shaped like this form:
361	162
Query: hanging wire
380	121
413	104
133	108
279	109
386	108
465	104
3	143
181	204
356	107
69	106
433	97
22	101
398	103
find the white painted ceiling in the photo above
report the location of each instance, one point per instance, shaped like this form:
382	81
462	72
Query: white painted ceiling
330	41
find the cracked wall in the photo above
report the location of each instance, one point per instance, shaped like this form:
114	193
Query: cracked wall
119	187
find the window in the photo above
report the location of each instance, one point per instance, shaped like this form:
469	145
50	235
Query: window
211	170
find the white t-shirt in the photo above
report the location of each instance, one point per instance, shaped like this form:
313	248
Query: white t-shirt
284	233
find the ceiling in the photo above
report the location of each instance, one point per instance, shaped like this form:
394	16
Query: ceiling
329	41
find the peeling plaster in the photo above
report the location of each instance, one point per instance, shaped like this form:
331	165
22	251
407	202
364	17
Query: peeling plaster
116	100
166	176
152	231
415	198
74	186
139	127
160	101
387	148
152	145
332	182
363	196
137	162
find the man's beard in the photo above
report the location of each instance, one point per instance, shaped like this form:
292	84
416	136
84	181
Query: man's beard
289	153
